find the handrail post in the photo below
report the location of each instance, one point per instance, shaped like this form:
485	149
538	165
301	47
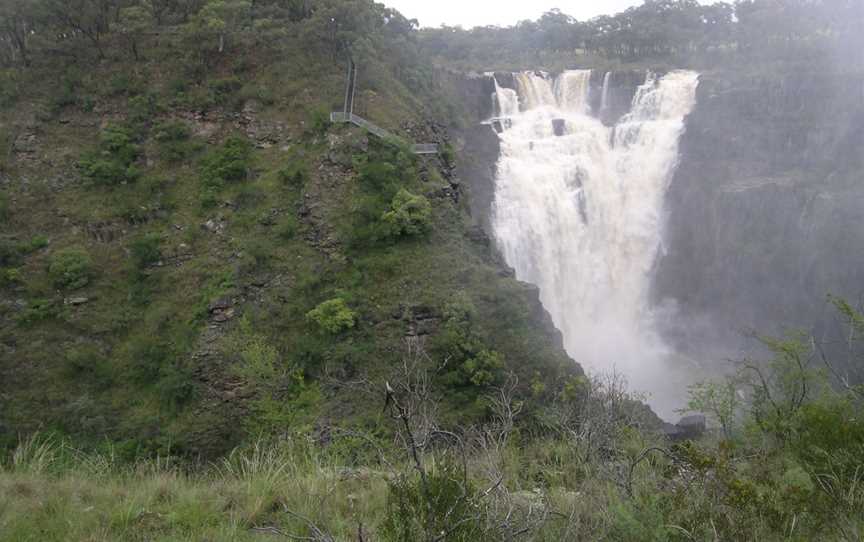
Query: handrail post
353	88
348	86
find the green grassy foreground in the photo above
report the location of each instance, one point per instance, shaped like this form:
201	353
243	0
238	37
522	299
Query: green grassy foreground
784	467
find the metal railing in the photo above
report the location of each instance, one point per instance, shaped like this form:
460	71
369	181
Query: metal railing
421	148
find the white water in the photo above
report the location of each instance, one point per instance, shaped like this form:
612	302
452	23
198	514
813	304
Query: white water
580	216
604	97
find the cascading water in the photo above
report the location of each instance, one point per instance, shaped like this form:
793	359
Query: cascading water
579	214
604	95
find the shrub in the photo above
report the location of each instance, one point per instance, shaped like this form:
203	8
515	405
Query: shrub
119	143
174	140
445	505
332	316
484	369
228	163
71	268
409	215
293	175
37	311
319	121
224	92
112	163
12	252
141	108
145	251
9	277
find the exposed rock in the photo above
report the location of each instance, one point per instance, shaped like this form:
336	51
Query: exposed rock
215	225
559	127
76	301
220	304
687	428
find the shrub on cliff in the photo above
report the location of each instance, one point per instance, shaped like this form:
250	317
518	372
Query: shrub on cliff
71	268
333	316
409	215
113	162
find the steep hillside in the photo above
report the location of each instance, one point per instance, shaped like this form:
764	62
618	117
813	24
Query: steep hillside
168	231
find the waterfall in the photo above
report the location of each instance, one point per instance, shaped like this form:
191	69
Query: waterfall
506	101
572	91
534	90
604	96
580	215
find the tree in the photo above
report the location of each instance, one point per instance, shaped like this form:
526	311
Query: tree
18	20
221	18
89	18
134	22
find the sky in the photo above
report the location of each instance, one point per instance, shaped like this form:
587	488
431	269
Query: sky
469	13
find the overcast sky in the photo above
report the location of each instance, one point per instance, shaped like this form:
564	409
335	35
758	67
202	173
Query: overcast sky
470	13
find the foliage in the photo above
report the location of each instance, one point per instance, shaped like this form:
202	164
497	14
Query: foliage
717	399
286	399
113	162
145	251
71	268
409	215
174	140
229	162
333	316
445	507
38	310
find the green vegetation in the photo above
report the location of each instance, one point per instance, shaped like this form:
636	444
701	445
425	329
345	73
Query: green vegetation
799	476
332	316
113	162
409	215
71	268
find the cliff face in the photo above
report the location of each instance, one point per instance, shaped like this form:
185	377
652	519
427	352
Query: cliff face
766	209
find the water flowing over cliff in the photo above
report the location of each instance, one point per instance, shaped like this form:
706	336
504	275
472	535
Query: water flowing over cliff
578	211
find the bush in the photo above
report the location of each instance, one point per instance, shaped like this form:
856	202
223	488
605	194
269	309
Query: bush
224	92
119	143
9	277
228	163
38	310
445	505
293	175
174	140
145	251
409	215
319	121
12	252
332	316
142	108
484	369
71	268
112	163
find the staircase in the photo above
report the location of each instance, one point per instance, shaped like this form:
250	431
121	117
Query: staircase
347	116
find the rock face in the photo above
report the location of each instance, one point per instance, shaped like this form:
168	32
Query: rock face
687	428
766	209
